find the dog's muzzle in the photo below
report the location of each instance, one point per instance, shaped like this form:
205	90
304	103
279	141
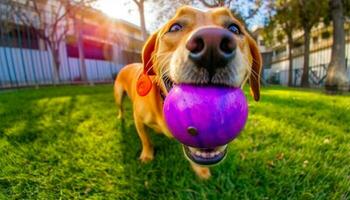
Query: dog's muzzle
211	48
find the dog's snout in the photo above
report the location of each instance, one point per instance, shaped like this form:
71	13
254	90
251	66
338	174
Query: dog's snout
195	45
211	48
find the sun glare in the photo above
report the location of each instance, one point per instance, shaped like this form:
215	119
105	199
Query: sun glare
118	9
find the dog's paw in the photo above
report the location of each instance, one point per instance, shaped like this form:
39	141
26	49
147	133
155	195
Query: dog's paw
146	156
202	172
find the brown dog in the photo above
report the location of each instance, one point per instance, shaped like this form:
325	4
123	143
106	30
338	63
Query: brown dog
194	47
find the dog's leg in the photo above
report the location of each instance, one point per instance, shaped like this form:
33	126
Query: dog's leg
147	148
202	172
118	95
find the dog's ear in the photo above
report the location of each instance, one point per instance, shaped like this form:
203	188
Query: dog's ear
254	79
147	52
144	83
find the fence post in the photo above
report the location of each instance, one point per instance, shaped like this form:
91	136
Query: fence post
79	70
40	58
98	75
6	58
110	69
10	58
68	66
29	43
50	61
21	51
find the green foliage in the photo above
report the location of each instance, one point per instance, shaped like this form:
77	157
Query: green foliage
286	12
346	4
290	15
66	143
328	16
166	10
311	12
283	20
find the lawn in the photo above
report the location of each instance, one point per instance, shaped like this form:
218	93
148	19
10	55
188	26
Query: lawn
66	143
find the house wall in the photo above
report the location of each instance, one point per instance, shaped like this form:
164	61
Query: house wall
23	67
25	63
318	59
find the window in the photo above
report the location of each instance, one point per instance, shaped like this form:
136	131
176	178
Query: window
298	44
92	50
325	35
280	52
315	39
262	43
18	36
347	32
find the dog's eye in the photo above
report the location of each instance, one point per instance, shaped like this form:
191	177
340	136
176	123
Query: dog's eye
234	29
175	28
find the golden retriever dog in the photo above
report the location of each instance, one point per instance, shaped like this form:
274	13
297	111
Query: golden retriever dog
194	47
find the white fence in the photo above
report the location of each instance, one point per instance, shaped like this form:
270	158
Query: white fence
26	67
318	63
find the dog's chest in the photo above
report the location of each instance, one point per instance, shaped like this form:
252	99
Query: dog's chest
157	124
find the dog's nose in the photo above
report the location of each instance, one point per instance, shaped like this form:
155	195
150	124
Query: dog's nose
211	48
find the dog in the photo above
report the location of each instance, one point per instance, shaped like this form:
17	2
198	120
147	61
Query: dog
194	47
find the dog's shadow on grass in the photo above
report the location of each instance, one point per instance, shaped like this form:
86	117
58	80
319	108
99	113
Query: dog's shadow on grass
32	121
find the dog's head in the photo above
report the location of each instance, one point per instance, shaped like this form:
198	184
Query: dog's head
201	47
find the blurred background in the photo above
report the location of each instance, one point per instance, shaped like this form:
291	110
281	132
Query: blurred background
50	42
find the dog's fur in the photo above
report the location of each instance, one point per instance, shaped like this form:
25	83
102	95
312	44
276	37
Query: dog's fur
165	57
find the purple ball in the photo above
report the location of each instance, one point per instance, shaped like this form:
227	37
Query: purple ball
205	116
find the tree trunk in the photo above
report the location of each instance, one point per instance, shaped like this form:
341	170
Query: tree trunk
305	76
54	50
290	58
56	66
337	79
142	19
79	37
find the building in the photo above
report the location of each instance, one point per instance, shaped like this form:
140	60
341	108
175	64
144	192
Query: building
266	52
93	47
276	65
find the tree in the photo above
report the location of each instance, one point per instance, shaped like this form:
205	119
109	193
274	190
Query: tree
346	8
166	10
141	9
49	21
310	13
284	14
337	79
253	7
216	3
78	24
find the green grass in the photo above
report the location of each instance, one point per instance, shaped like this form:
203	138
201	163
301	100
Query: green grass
66	142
